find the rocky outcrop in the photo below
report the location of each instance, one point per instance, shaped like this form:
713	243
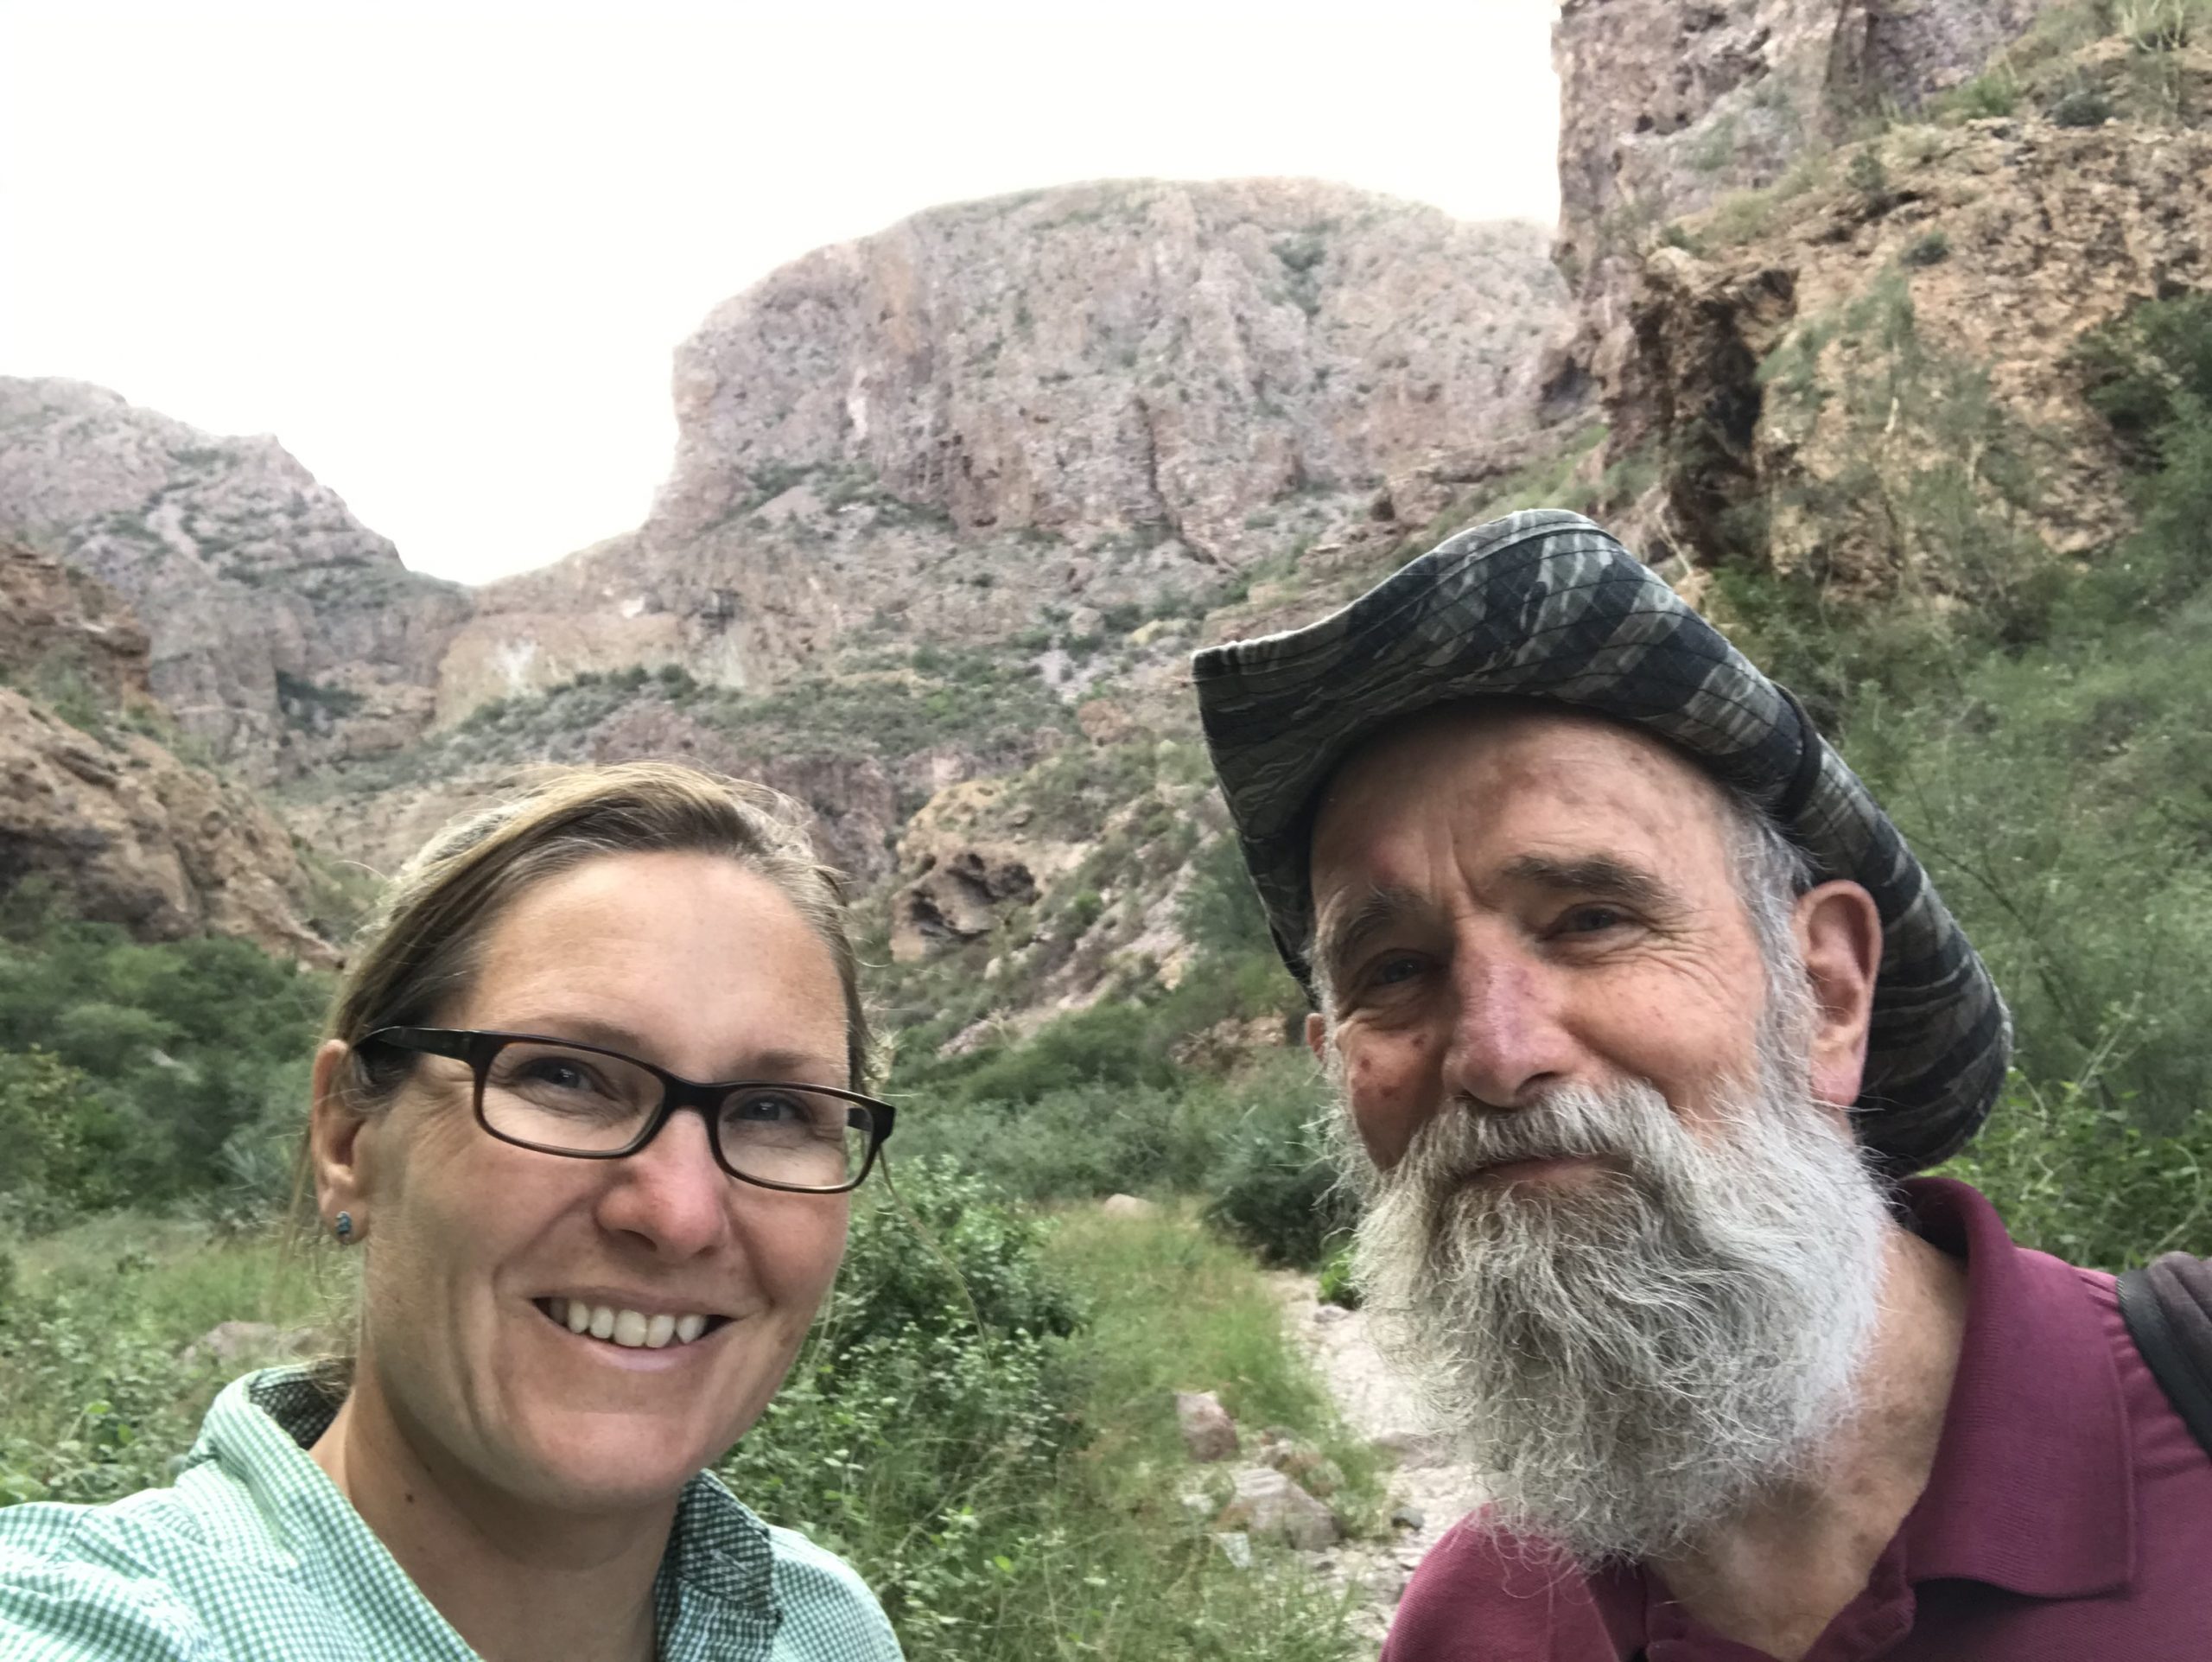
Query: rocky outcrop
1666	105
1795	385
283	632
968	857
1072	401
59	626
100	811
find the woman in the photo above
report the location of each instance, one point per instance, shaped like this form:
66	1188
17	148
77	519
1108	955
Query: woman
583	1275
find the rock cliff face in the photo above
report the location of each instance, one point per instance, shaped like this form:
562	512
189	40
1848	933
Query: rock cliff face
1078	398
1115	356
104	813
284	632
1910	325
1666	105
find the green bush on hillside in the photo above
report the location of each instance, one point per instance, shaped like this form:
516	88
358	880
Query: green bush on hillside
2052	773
169	1048
1275	1186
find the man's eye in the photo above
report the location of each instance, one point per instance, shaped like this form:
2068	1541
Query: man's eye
1394	970
1592	921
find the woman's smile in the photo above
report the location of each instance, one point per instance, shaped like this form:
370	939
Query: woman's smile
617	1326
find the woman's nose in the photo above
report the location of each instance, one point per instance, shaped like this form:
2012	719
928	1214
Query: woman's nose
670	1194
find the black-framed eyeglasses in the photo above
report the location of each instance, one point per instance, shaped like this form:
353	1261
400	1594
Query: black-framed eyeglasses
588	1103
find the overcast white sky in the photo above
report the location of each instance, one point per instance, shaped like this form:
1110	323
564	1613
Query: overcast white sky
443	252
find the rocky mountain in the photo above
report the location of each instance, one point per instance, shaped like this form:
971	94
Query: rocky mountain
284	632
952	504
95	805
1022	410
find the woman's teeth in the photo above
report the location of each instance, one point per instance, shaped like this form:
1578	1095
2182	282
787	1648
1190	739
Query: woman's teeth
629	1328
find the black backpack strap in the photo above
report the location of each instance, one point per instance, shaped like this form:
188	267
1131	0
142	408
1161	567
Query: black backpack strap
2167	1305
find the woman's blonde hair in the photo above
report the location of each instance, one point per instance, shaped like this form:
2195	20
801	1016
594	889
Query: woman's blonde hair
420	948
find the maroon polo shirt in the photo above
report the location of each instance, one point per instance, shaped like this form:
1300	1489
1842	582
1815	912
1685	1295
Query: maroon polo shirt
2068	1519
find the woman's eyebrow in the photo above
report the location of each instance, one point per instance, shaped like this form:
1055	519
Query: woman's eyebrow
776	1062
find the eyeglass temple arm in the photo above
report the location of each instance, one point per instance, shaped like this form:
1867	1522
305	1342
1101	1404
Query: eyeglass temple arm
431	1041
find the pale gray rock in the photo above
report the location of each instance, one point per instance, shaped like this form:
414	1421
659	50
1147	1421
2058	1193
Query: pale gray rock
1208	1432
232	1344
1268	1504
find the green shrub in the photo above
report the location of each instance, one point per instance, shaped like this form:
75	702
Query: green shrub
2084	105
1334	1283
1276	1188
2144	367
1078	1142
2072	1173
1994	94
65	1144
1109	1043
1931	250
906	1437
180	1043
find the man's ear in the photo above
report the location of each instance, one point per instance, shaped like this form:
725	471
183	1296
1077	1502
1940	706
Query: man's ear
1317	1036
1839	940
335	1151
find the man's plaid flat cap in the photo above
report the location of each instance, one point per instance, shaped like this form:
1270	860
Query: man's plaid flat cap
1546	605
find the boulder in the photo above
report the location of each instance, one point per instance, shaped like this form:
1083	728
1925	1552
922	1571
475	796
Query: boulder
1126	1206
1268	1504
1208	1432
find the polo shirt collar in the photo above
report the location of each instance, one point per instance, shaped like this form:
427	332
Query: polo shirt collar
2033	1485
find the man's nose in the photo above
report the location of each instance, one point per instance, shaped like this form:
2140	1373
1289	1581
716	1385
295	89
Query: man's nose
670	1195
1509	1041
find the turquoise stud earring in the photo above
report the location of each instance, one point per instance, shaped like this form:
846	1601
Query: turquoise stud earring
343	1228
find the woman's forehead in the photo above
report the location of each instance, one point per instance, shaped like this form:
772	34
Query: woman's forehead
685	951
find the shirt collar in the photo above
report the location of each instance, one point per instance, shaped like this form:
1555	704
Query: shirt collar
716	1594
2033	1485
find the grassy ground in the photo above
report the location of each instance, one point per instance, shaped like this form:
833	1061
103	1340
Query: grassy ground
1113	1563
1103	1560
95	1397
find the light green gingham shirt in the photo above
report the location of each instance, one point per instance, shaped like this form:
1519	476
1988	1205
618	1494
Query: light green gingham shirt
254	1555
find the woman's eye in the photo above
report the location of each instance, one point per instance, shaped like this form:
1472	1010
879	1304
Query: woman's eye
768	1109
560	1076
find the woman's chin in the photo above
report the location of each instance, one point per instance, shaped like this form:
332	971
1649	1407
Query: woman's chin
610	1462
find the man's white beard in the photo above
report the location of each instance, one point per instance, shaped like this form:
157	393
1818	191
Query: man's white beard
1630	1358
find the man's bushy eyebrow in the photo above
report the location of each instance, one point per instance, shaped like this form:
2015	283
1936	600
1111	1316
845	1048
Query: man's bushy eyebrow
1598	876
1345	927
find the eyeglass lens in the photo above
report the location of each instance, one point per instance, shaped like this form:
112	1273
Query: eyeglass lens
581	1102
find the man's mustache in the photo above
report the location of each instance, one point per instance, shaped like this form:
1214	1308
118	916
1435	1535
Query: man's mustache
1467	1138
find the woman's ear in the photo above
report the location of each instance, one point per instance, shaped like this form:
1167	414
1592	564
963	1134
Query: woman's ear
335	1150
1840	941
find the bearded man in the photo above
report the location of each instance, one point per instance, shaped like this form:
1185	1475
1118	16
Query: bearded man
1641	1013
